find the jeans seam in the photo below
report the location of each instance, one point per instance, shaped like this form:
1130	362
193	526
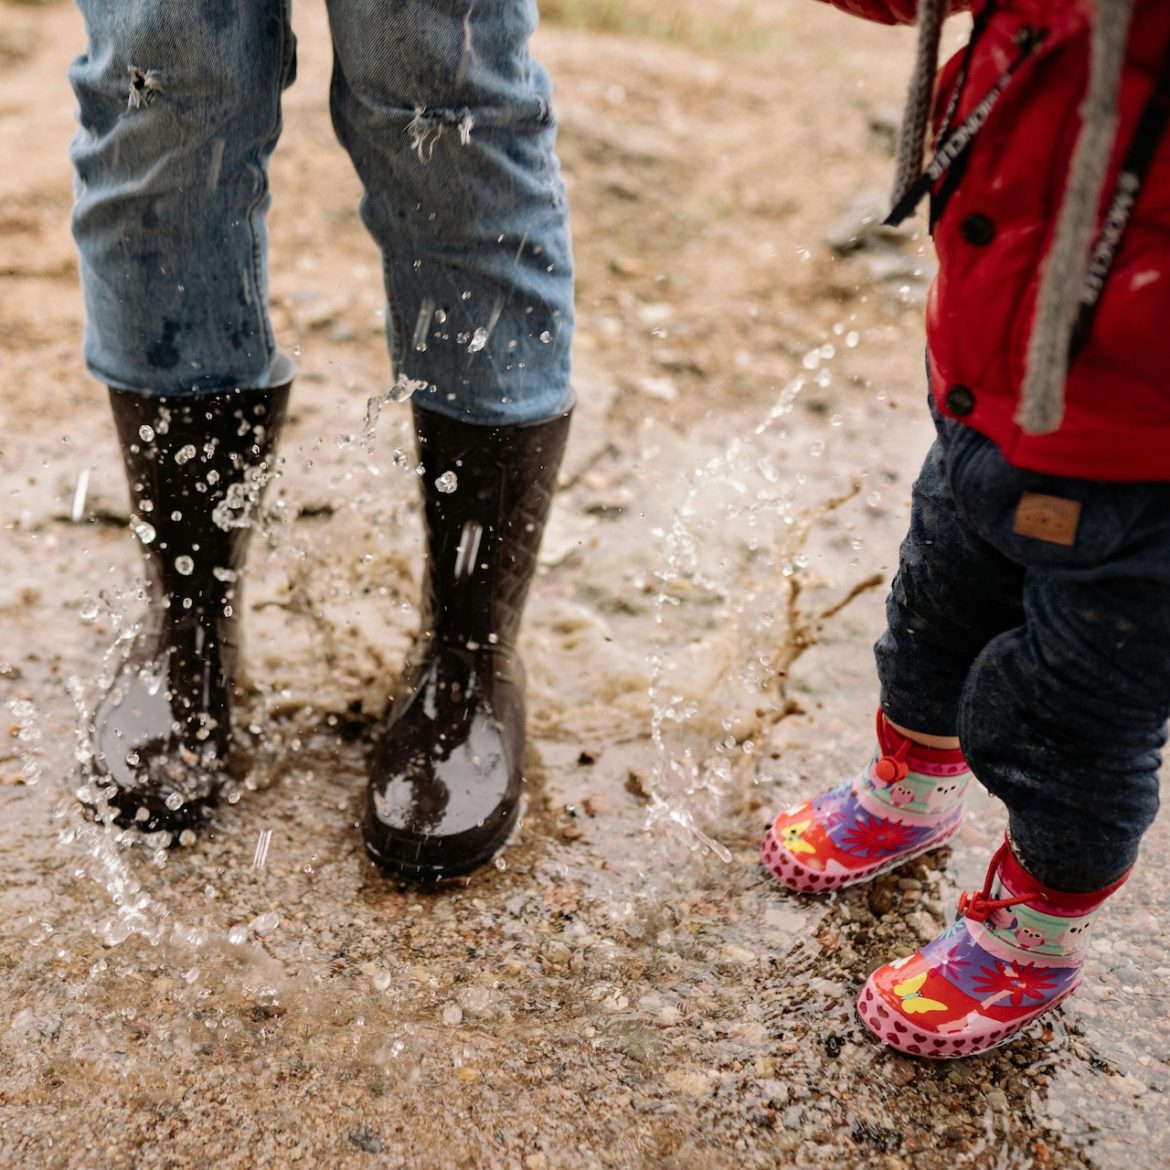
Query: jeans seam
258	275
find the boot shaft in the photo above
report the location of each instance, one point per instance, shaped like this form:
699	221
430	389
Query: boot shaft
911	781
487	492
1026	916
196	468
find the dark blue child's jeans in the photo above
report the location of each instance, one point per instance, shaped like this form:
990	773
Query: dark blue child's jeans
1030	617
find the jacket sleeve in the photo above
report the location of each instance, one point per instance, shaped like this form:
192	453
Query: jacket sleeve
892	11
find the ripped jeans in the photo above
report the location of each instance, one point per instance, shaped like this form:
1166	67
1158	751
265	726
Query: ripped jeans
446	117
1048	658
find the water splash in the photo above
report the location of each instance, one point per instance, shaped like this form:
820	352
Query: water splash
733	547
403	390
28	739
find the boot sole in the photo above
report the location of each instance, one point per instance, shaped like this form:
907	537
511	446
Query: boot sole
428	873
888	1027
784	867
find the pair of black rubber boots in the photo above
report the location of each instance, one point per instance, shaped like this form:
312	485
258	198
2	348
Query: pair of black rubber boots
446	775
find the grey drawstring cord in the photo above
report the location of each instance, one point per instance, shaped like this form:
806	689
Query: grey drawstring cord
920	98
1065	265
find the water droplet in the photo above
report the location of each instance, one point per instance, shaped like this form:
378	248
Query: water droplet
185	566
447	482
237	935
404	388
145	532
423	323
146	433
114	931
381	980
478	340
452	1014
185	454
264	924
546	337
174	802
187	838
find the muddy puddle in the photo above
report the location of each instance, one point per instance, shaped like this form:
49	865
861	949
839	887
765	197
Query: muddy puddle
624	986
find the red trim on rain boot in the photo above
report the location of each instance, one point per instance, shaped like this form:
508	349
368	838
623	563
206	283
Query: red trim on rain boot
1017	951
907	800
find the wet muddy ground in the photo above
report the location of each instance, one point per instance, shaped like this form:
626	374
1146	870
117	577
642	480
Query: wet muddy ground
624	987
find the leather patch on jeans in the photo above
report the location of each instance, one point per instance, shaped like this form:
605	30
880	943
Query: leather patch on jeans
1049	518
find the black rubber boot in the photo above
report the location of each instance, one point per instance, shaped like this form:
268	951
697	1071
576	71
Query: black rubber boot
196	467
446	779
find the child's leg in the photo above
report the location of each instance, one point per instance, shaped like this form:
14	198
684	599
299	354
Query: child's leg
1063	717
953	593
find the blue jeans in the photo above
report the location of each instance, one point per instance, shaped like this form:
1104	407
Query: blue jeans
446	117
1050	662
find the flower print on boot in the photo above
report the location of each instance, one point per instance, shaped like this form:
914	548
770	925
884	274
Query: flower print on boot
907	800
1016	951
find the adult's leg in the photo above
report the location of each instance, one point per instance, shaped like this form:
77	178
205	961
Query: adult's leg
447	118
179	112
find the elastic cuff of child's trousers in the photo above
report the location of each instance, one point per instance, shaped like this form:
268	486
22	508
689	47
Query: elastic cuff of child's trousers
1060	862
918	714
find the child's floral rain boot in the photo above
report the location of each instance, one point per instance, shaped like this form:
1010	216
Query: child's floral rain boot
1016	951
907	800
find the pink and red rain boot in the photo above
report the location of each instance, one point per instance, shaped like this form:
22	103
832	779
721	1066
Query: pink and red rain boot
907	800
1016	951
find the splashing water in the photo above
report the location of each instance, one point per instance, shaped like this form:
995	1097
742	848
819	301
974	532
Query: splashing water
735	546
403	390
28	738
260	857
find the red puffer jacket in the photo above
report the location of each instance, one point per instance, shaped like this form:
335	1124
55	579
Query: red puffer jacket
998	224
